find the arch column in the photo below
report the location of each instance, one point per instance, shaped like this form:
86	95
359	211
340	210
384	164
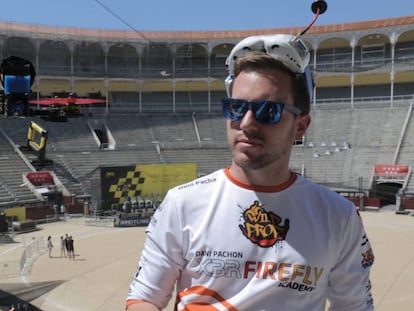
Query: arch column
352	77
393	39
71	47
140	50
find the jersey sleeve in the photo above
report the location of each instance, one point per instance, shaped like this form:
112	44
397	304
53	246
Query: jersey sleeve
349	283
161	260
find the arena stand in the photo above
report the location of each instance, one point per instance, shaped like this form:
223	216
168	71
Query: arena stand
163	95
340	149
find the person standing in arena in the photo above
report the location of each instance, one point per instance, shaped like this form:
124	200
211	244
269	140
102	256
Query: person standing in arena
70	248
255	235
62	247
49	245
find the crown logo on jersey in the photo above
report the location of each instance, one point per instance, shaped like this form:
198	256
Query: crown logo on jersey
263	228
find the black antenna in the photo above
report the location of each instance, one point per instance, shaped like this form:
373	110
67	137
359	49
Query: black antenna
123	21
318	7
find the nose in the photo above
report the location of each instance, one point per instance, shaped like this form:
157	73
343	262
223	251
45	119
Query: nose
248	120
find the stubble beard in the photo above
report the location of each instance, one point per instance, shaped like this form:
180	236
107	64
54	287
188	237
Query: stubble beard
247	160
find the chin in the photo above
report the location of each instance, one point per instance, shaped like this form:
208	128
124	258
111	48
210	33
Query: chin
248	164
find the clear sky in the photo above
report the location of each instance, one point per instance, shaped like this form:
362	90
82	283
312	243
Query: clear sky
175	15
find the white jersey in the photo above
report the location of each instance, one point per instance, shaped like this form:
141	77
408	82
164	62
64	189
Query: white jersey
238	247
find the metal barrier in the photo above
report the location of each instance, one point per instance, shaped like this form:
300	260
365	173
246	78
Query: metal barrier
100	222
30	253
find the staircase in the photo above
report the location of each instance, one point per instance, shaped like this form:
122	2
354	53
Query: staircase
404	155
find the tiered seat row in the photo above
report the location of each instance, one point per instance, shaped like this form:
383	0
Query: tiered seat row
341	145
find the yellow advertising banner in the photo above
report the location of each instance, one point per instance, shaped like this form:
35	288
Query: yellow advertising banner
121	183
19	212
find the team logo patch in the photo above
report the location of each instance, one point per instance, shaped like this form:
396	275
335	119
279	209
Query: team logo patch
262	227
367	258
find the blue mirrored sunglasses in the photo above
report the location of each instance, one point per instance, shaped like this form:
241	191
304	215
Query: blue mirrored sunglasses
265	112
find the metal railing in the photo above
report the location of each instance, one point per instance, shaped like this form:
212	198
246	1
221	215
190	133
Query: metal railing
34	249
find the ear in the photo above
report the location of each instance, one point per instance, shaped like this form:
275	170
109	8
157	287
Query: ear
302	124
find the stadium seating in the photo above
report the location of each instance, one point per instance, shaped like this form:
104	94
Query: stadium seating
368	142
349	144
163	103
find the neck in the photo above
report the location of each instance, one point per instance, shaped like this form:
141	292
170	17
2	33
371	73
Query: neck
261	177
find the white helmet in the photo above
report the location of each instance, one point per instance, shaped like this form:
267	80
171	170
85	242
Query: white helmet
288	49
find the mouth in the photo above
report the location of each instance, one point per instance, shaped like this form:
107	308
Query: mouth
247	142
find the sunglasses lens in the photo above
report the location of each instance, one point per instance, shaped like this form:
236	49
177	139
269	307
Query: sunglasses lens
234	109
265	112
268	113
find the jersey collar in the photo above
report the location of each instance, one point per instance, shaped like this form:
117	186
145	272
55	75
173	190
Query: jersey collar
276	188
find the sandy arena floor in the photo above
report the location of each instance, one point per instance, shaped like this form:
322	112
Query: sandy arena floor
106	259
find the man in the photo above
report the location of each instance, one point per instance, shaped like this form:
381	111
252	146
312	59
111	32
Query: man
256	236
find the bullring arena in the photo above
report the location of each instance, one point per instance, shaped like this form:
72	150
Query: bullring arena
106	258
161	94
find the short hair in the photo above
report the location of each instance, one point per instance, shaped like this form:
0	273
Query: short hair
261	61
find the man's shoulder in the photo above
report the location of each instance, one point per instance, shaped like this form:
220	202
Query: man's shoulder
322	191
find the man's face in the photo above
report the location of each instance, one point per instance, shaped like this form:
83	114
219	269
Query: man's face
254	145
